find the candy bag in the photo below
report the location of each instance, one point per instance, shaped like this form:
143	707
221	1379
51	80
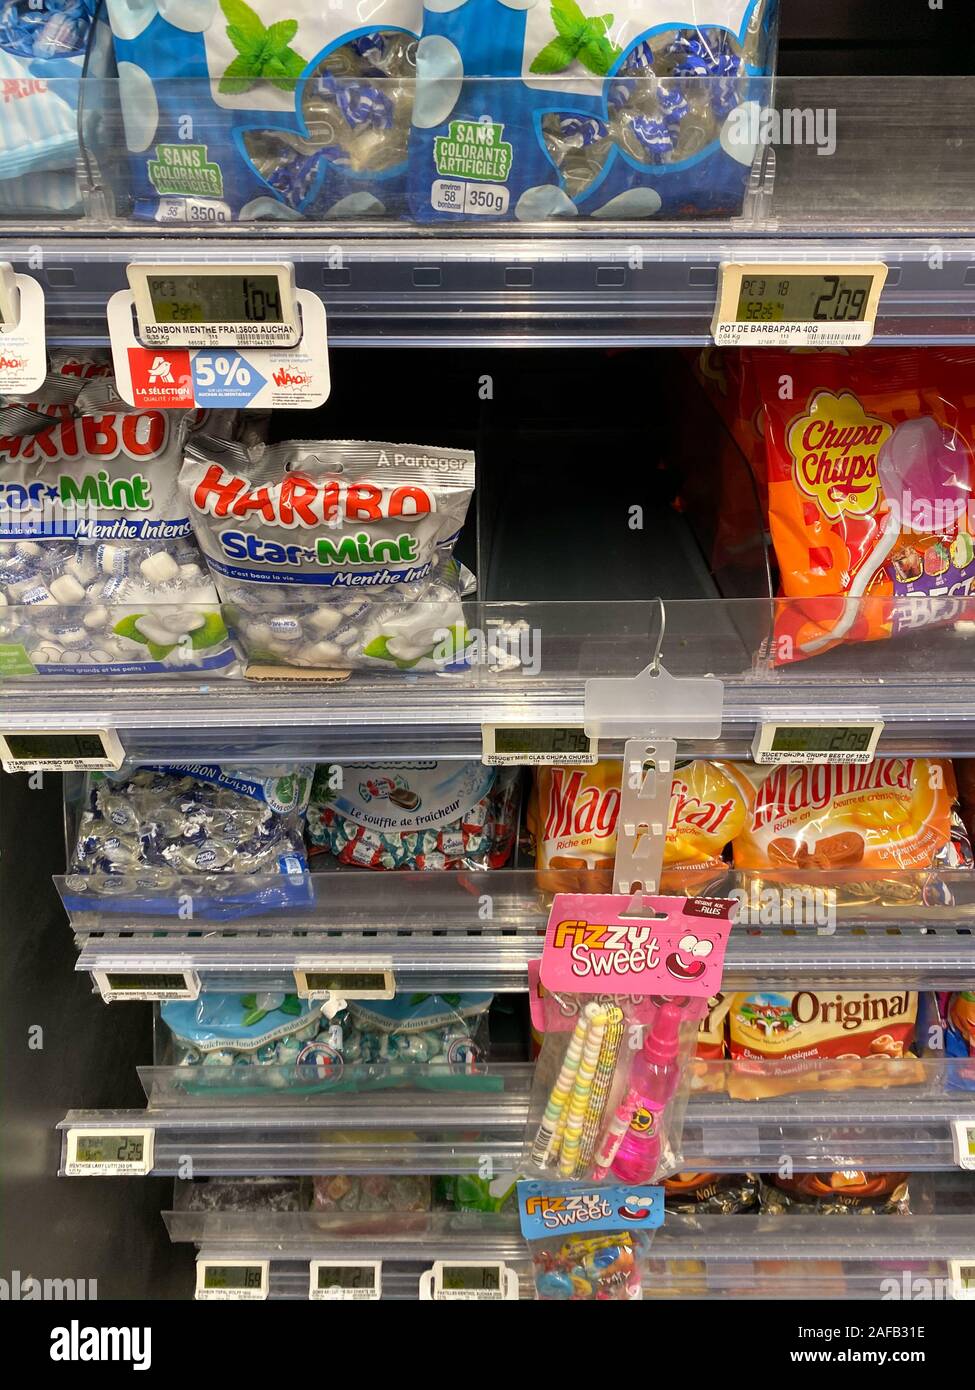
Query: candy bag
589	1242
230	838
42	53
300	112
848	1192
432	815
870	476
335	554
556	108
807	1041
444	1029
374	1192
92	534
222	1030
710	1194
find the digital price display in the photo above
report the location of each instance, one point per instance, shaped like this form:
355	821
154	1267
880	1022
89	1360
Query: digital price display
456	1280
473	1277
804	298
108	1152
797	305
232	1279
142	985
963	1134
61	750
216	305
341	982
537	745
962	1274
850	742
345	1281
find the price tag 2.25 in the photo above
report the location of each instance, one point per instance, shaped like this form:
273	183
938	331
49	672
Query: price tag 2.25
806	305
108	1153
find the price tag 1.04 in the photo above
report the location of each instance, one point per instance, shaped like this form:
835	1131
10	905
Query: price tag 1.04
344	980
466	1280
108	1153
345	1281
853	741
222	1280
199	306
780	305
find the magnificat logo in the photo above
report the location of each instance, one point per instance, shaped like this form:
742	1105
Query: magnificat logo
787	790
834	448
301	501
572	811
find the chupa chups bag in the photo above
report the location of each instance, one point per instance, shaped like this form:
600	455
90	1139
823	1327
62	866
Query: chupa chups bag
42	53
98	567
572	817
831	1194
888	816
561	108
870	476
430	815
335	554
297	110
809	1041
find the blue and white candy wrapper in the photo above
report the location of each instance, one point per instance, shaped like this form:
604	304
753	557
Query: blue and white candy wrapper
230	839
673	84
42	53
300	109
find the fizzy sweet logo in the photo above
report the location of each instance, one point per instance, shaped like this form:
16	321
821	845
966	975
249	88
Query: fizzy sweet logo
614	948
286	377
11	364
834	447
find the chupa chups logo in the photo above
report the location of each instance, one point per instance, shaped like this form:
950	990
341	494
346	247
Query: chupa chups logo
834	447
787	790
301	501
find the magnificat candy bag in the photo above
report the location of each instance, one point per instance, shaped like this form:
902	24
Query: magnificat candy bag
99	571
870	477
237	110
42	53
335	554
530	109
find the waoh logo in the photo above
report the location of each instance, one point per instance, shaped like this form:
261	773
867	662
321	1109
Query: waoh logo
286	377
140	435
161	379
11	364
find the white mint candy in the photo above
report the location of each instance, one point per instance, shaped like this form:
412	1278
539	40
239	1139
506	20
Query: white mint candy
95	618
29	549
325	620
285	629
190	573
66	589
3	599
154	630
112	559
101	656
83	568
71	636
258	633
159	568
407	649
320	654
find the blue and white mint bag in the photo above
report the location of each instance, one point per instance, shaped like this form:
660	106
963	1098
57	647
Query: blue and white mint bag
42	54
531	109
237	110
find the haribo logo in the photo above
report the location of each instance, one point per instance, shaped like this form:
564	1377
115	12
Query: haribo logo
301	501
141	435
834	447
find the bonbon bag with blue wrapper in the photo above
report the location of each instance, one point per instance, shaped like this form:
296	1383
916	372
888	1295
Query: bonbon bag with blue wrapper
530	109
42	53
297	110
229	841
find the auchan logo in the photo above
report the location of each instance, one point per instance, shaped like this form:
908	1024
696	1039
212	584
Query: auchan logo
834	447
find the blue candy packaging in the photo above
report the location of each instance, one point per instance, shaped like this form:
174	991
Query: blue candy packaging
531	109
236	110
42	52
228	841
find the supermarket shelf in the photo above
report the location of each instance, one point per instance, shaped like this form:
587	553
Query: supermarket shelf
431	929
269	1122
441	714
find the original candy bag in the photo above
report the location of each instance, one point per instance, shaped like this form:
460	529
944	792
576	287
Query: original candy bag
335	554
42	53
299	110
99	572
432	815
230	838
530	109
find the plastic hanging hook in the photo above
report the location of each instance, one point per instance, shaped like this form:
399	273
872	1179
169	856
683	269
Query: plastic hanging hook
648	774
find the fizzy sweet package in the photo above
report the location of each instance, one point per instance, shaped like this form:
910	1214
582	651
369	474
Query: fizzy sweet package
300	110
590	1242
870	478
429	815
231	838
533	109
335	554
99	571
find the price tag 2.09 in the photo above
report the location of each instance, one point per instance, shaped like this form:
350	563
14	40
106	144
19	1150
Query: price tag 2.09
782	305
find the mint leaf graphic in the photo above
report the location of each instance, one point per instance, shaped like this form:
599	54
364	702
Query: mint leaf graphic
281	34
263	54
238	77
568	18
243	19
554	57
598	55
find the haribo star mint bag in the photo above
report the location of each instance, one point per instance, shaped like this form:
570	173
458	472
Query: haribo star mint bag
530	109
236	110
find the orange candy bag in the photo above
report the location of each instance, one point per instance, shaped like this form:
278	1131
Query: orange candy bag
870	478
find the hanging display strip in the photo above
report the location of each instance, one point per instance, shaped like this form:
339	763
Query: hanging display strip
779	305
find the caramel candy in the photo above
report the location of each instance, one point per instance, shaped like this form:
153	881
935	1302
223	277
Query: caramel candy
835	851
